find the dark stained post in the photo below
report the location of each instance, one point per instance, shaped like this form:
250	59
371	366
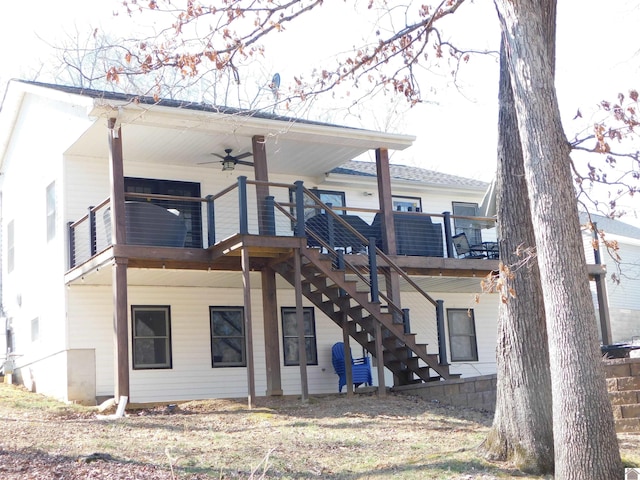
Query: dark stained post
382	389
448	238
601	292
91	216
347	355
211	221
386	202
442	340
388	242
248	330
119	269
266	226
271	337
243	205
302	344
261	172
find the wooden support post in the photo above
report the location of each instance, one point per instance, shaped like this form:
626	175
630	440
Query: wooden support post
302	344
347	355
248	330
448	237
119	269
382	389
120	327
261	174
392	279
601	293
442	341
271	337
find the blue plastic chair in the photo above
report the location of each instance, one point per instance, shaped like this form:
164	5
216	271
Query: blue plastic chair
360	367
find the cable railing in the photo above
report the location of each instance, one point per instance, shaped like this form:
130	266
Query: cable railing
195	222
341	236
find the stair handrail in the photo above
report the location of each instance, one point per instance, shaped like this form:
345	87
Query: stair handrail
365	241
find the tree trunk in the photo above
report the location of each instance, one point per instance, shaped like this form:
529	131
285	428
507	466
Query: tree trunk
585	441
522	430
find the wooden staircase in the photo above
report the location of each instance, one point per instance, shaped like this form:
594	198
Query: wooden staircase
330	291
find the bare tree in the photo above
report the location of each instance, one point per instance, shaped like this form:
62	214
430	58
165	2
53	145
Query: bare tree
584	434
522	430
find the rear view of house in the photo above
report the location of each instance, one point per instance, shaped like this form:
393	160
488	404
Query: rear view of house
170	251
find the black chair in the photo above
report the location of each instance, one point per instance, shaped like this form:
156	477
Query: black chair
337	235
416	234
464	250
149	224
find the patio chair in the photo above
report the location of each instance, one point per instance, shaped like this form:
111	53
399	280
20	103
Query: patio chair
360	367
463	249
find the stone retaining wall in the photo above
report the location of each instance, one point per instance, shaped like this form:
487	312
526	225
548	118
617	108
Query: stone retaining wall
475	392
623	382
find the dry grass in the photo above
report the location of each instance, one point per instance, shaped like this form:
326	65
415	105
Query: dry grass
330	437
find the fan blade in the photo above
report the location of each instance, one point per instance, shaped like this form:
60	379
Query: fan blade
218	155
243	155
244	162
206	163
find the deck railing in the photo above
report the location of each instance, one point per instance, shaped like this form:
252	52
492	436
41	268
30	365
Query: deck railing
236	209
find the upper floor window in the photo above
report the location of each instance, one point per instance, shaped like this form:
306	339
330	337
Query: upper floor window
11	250
290	336
468	226
51	211
462	335
407	204
227	337
151	337
189	210
333	197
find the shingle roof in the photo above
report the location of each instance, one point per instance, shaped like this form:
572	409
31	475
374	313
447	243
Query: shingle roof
612	226
163	102
405	172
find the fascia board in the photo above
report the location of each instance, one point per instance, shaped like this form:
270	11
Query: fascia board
168	117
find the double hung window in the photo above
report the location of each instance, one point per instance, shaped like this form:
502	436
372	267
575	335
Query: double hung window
151	337
290	336
227	337
462	335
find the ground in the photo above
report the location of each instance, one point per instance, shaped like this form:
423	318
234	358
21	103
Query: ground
332	437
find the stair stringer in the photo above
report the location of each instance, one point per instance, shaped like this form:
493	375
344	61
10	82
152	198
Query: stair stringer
401	350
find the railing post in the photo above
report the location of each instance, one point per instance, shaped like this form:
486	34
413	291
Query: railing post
331	229
92	232
72	245
596	241
243	205
299	230
340	266
406	322
269	215
442	341
211	221
373	272
447	233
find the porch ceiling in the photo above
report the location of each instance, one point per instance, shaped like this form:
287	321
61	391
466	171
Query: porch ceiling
173	136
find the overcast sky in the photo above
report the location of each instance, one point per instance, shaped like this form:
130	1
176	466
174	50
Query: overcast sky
597	57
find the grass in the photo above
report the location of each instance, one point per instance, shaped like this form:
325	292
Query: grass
331	437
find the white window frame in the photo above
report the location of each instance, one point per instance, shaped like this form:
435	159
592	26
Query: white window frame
459	314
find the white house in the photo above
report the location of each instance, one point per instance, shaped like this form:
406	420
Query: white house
137	263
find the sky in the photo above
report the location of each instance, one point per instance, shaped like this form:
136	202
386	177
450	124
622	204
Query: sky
597	57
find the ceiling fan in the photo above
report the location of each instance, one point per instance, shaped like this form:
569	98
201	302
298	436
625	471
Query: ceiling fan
229	161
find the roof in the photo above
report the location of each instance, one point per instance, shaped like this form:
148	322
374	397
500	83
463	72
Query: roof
409	173
179	104
183	133
612	226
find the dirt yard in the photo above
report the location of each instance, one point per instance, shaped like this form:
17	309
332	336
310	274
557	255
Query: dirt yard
330	437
